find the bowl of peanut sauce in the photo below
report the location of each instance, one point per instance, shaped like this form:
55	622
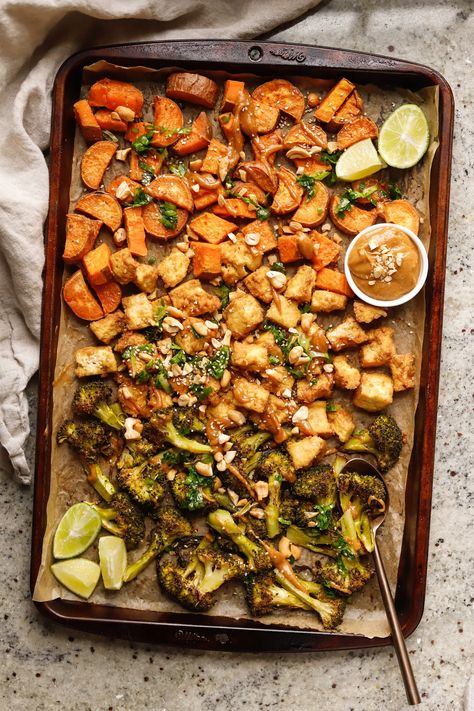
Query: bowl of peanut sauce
386	265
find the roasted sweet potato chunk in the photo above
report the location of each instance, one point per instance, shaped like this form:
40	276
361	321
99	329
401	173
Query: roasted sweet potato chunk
123	188
378	196
288	196
305	134
135	229
153	222
206	260
171	188
112	93
313	212
262	174
266	236
401	212
236	209
193	88
110	296
97	265
333	100
350	109
331	280
78	297
81	234
267	146
107	121
103	207
212	228
199	138
95	161
233	91
205	198
355	131
151	163
135	130
282	94
353	220
258	117
88	123
325	251
216	151
168	121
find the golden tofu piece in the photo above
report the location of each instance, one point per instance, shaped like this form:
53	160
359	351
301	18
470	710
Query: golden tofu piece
402	367
346	335
250	395
123	265
95	360
173	268
259	285
375	391
380	348
342	423
305	451
138	311
267	339
249	356
146	277
107	328
300	286
191	298
346	376
188	339
278	379
327	301
318	419
243	314
365	313
238	261
320	386
284	312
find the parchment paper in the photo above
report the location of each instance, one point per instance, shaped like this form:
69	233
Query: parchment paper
365	615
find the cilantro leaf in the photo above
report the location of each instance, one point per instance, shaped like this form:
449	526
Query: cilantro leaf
140	198
330	158
168	132
200	391
394	191
308	182
169	214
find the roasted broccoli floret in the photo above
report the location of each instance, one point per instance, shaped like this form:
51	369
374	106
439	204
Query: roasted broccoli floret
360	495
136	452
318	485
346	575
89	438
123	519
142	484
170	527
161	430
329	543
275	468
257	557
329	608
192	574
186	421
277	460
383	438
92	398
263	595
247	441
191	491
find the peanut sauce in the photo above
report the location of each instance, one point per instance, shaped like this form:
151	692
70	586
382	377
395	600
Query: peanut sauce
385	263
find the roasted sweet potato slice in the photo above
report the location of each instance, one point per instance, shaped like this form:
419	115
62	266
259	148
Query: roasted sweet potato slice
267	239
261	174
216	151
350	109
258	117
117	188
110	296
282	94
97	265
401	212
205	198
353	220
331	280
151	163
211	228
199	138
312	165
356	131
136	242
379	196
171	188
325	251
78	297
108	122
244	189
333	100
235	208
111	93
313	212
81	234
95	161
288	196
267	146
206	260
234	90
226	122
103	207
168	121
88	124
302	134
135	130
152	221
193	88
288	249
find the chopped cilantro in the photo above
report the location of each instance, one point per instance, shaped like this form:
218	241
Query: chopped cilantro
349	196
279	267
142	144
394	191
331	406
273	360
140	198
309	182
219	362
305	308
169	214
224	292
200	391
168	132
330	158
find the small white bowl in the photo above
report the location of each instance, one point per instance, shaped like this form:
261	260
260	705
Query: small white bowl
410	294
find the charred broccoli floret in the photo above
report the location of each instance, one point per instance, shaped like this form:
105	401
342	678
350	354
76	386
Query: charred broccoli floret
142	484
247	441
318	485
89	438
279	461
123	519
360	495
346	575
170	527
186	421
136	452
263	595
161	430
257	557
92	398
193	575
191	491
383	438
329	608
275	468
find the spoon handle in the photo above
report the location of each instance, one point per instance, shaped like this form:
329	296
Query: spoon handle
397	635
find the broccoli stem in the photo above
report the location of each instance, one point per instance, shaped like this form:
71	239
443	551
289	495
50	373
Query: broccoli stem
101	482
181	442
110	415
272	509
324	609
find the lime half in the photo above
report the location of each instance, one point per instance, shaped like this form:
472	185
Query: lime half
113	561
404	137
78	575
358	161
77	530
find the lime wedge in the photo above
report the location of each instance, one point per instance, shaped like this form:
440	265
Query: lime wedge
77	530
113	561
404	137
358	161
78	575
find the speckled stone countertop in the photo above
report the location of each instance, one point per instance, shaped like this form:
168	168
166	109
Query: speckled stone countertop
47	667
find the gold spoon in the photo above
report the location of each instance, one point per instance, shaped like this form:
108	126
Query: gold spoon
361	466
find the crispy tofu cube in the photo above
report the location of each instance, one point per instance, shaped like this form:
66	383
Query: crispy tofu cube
107	328
212	228
365	313
402	367
318	419
375	391
249	356
278	379
278	408
95	360
146	277
346	335
188	339
380	348
300	286
327	301
284	312
138	311
243	314
267	339
259	285
226	412
263	229
238	261
191	298
303	452
129	338
250	395
321	386
123	266
346	376
342	423
173	268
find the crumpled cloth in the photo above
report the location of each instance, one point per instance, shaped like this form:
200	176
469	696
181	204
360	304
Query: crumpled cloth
36	37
